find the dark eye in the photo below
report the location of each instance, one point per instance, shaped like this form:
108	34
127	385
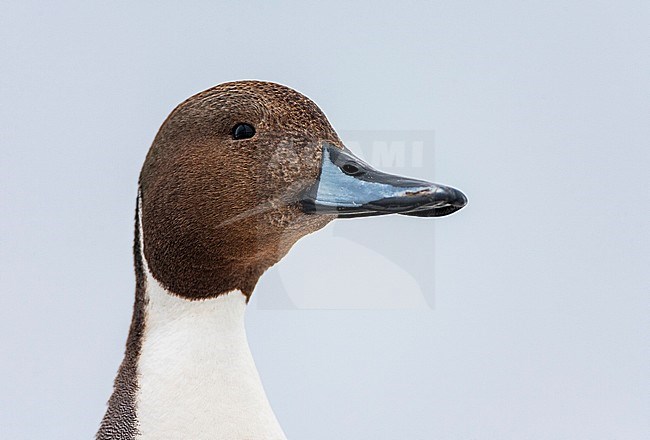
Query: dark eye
243	131
351	169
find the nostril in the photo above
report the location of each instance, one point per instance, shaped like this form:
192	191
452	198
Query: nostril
350	169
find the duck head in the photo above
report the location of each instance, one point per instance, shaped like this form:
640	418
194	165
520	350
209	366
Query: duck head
240	172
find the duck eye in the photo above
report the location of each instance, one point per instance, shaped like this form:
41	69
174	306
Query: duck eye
243	131
351	169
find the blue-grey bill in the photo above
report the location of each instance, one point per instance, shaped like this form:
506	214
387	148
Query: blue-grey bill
349	187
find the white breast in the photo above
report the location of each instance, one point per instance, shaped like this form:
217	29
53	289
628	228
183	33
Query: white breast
197	379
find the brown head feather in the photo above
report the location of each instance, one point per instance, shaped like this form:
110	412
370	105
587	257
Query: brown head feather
217	212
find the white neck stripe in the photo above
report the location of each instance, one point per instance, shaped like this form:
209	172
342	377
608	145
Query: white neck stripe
196	375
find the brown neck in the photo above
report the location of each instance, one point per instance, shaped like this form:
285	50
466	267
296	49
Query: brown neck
120	420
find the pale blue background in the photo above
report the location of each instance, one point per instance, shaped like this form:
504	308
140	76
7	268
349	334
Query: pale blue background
541	114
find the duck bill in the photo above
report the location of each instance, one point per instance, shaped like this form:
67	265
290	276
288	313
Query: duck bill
349	187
